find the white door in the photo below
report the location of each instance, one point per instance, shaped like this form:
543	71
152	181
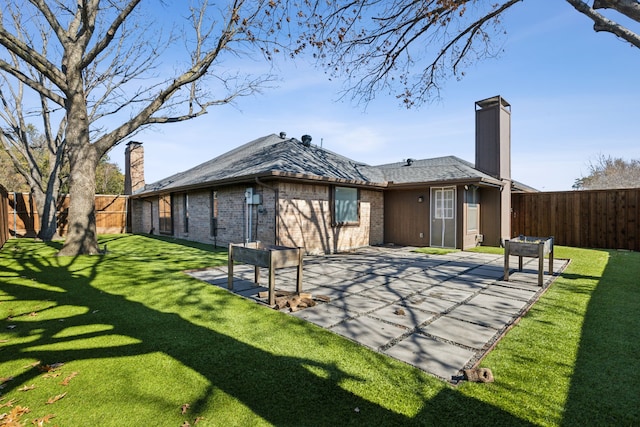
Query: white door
443	217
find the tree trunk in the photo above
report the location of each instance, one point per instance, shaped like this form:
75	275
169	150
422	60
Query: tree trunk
47	211
82	238
47	202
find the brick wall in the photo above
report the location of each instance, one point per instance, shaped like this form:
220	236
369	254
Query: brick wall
138	223
303	210
305	219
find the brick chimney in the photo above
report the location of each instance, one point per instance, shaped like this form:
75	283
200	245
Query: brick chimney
134	167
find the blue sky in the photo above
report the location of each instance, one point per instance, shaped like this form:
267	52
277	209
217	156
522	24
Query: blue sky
574	95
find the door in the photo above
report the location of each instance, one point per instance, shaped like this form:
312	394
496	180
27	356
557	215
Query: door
443	217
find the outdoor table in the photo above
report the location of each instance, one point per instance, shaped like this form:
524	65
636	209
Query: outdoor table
536	247
268	256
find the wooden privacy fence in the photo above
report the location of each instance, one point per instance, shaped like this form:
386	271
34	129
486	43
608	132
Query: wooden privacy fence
607	219
23	221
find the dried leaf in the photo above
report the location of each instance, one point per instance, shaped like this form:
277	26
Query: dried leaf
20	410
27	387
56	398
12	419
33	365
8	404
41	421
185	424
197	420
3	341
33	314
185	408
69	378
52	375
51	367
5	380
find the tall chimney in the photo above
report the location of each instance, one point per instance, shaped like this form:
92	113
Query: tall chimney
493	137
493	153
134	167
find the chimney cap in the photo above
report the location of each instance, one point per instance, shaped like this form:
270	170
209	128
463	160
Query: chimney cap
134	143
306	140
492	102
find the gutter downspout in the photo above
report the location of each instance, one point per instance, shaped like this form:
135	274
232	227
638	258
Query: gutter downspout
276	210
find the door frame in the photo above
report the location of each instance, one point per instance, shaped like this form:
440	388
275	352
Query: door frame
450	215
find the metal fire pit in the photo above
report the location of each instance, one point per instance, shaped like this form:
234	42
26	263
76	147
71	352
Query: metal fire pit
268	256
535	247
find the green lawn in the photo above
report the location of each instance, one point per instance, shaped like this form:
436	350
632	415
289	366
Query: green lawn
139	339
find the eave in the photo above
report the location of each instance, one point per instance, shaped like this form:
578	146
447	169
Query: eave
266	176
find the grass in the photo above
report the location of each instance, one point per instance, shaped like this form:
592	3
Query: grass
144	339
435	251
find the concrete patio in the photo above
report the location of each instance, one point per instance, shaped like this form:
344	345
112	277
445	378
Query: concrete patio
439	313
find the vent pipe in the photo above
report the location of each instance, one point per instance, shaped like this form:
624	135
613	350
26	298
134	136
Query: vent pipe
306	140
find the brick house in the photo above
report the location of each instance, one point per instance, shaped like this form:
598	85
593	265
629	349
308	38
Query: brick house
290	192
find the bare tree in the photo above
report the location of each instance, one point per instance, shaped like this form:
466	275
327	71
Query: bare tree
607	172
408	47
99	64
36	156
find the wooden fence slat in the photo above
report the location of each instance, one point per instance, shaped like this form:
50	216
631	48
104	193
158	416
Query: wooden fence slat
591	219
23	221
4	216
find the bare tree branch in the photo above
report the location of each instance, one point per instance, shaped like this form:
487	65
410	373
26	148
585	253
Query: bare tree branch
27	54
110	33
630	8
408	47
601	23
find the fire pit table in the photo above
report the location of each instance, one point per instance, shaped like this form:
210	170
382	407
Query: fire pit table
536	247
269	256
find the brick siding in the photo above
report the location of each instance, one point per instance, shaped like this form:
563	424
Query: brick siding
304	217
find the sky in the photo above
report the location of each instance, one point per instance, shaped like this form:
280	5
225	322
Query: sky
574	96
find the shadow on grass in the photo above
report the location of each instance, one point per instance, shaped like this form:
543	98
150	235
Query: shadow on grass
279	389
604	383
185	243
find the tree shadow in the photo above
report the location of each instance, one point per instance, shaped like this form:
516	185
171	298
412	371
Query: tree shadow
607	366
236	367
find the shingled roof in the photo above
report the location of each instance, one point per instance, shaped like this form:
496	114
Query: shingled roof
278	156
275	156
439	169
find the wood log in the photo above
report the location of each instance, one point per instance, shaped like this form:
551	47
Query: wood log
482	375
284	293
308	301
294	301
281	302
322	298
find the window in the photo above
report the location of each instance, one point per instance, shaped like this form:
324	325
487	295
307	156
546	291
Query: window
214	213
164	214
345	205
472	208
444	204
185	212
